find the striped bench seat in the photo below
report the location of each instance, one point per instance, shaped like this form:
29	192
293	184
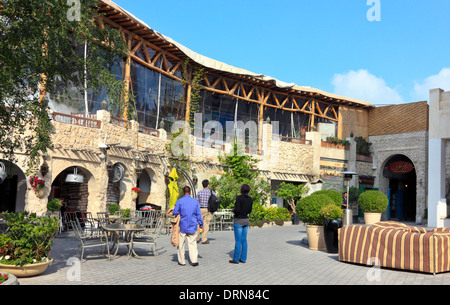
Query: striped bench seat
395	245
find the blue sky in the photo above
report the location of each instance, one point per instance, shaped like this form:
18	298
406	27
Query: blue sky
326	44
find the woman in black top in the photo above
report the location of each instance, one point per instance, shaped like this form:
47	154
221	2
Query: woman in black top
242	210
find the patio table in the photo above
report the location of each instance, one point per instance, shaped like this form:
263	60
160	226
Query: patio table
122	235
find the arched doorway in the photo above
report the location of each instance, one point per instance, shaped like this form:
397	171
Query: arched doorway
145	181
401	173
74	193
13	189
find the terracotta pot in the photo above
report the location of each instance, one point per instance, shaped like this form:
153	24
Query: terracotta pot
371	218
26	270
316	237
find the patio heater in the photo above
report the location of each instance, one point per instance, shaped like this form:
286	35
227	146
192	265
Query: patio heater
74	178
348	216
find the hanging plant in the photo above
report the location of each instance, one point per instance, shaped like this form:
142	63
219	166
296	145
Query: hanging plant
37	183
137	190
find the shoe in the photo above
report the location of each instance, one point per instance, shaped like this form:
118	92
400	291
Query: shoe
205	242
241	261
233	262
195	264
181	264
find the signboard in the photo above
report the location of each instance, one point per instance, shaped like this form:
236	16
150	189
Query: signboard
400	167
332	167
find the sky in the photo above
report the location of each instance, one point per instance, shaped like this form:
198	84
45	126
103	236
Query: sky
380	51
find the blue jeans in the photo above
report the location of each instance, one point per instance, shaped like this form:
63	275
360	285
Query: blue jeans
240	246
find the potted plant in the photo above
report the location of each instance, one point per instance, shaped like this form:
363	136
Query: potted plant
372	203
25	247
54	205
308	209
333	221
135	192
38	186
113	208
291	193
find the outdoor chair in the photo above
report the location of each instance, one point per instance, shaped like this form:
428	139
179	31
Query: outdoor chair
89	241
68	218
102	218
91	225
227	219
149	236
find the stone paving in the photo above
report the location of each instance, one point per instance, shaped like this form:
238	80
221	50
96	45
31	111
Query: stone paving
276	256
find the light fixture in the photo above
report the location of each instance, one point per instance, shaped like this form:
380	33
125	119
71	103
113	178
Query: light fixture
109	167
194	180
166	178
3	174
347	212
138	171
74	178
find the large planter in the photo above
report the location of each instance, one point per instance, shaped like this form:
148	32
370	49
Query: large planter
316	237
371	218
330	229
26	270
295	219
12	279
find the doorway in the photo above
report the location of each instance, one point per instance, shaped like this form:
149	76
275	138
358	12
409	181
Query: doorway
401	173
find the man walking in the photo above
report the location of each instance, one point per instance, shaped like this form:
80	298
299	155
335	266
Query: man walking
190	215
203	197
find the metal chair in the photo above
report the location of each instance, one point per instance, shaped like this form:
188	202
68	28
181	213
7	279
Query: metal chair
87	240
68	218
148	237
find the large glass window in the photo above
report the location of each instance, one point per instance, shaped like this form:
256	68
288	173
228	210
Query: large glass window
158	98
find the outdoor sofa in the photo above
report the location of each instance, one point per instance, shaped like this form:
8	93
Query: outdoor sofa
396	245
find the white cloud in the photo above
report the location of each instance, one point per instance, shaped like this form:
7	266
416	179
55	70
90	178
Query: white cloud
441	80
365	86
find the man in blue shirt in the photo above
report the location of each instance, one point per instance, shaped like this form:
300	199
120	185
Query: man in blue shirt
189	210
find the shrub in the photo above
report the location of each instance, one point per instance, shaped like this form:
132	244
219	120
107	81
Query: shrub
373	202
308	208
332	212
334	195
260	214
114	207
54	205
28	239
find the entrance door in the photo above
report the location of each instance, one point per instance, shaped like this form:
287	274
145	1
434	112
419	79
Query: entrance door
402	187
8	194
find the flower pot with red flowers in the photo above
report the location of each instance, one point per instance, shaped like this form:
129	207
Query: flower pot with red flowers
38	186
135	192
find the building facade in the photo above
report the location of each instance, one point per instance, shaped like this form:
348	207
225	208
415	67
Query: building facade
285	126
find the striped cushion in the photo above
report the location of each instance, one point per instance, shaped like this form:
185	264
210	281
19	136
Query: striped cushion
395	246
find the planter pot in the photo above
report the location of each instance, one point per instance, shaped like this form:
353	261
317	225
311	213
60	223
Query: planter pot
316	238
40	192
134	195
330	229
12	279
295	219
27	270
371	218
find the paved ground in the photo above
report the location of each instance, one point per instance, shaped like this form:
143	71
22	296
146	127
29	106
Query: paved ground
276	256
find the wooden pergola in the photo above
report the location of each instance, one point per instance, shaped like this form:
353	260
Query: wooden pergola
146	47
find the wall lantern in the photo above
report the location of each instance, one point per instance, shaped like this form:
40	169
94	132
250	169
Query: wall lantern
138	171
195	180
44	169
3	174
109	167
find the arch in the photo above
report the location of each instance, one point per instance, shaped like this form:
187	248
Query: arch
400	183
75	196
13	189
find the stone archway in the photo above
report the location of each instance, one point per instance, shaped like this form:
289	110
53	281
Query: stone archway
75	196
400	178
13	189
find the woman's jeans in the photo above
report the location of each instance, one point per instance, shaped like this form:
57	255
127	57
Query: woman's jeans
240	247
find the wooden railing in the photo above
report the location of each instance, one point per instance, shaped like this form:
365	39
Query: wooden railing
149	131
76	120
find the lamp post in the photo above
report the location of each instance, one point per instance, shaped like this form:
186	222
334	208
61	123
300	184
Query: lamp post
348	217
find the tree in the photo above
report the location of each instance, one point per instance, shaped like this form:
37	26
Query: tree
291	193
42	44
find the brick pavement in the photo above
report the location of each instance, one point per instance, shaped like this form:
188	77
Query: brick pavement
276	256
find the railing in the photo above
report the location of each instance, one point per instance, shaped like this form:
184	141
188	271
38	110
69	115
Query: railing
295	140
149	131
364	158
119	122
76	120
